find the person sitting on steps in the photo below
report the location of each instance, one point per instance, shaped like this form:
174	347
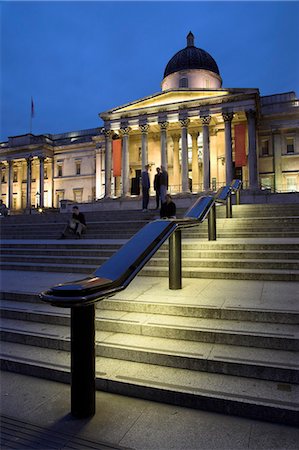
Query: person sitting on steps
168	208
76	224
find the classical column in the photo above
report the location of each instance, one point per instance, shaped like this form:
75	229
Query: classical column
28	185
228	117
108	161
206	151
41	180
125	161
195	166
10	184
185	162
98	172
163	126
176	163
144	150
252	157
52	184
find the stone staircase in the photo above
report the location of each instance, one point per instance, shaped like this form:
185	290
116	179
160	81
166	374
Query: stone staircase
260	242
226	351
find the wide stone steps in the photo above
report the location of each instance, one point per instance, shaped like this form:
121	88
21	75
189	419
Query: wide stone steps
163	253
263	259
226	273
192	361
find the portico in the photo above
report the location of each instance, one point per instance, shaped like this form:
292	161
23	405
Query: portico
191	133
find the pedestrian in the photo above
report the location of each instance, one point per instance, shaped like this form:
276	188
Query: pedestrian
76	225
163	184
168	208
145	185
157	183
3	209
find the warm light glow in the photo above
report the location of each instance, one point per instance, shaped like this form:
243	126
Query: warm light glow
168	98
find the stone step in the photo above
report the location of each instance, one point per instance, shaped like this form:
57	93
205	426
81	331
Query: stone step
229	332
264	244
49	328
264	400
21	303
188	262
223	273
162	253
160	271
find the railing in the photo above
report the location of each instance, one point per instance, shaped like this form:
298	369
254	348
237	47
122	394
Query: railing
115	275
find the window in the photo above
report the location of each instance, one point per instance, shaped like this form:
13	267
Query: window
3	179
290	145
59	169
207	83
78	167
15	176
46	173
265	148
266	183
183	82
78	195
291	184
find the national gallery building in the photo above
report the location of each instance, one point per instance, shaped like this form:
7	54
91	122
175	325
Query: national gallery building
204	134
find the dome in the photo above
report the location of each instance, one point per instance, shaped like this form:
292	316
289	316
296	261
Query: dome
191	57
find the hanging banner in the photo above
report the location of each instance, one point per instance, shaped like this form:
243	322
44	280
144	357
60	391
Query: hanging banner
116	155
240	145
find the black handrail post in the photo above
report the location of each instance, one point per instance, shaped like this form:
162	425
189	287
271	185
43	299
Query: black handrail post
175	260
83	389
212	223
229	207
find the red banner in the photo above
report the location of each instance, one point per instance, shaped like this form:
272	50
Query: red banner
116	155
240	145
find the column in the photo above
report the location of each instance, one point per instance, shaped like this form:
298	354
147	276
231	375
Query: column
10	184
144	149
206	151
52	184
176	163
252	157
125	160
185	164
98	172
28	186
228	117
163	126
41	180
195	167
108	161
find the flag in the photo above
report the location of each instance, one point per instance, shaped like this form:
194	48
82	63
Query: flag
32	107
240	145
116	155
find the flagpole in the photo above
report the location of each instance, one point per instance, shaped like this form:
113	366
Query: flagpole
31	114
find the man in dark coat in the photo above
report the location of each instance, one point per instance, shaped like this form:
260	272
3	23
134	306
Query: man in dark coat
157	182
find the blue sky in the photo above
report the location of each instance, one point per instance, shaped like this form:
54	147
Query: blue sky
77	59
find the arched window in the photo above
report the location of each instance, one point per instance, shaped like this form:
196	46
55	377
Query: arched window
183	82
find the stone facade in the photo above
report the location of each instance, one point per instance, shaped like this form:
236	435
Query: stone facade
190	130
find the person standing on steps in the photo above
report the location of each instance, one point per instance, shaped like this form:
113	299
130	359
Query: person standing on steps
77	224
157	180
145	185
163	184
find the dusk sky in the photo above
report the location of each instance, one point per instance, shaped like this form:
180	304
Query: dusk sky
77	59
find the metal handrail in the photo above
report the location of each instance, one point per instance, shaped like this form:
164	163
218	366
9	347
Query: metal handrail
117	272
115	275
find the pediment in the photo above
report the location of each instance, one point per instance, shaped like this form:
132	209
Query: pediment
169	97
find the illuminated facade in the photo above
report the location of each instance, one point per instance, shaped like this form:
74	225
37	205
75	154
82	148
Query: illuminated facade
204	134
